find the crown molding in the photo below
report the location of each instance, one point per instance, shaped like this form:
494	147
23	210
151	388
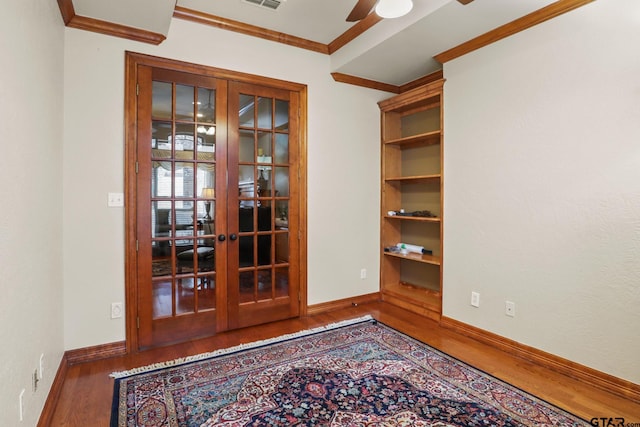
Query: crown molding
66	10
247	29
372	84
95	25
534	18
103	27
353	32
359	81
429	78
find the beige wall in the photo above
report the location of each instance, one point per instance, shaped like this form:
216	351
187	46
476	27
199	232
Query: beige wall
31	47
343	167
542	187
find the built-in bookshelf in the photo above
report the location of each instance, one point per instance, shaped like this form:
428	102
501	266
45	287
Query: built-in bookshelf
412	199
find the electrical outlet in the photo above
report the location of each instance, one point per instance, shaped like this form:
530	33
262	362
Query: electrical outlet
116	310
475	299
510	308
363	273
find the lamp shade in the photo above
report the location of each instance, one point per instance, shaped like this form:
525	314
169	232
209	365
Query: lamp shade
393	8
208	193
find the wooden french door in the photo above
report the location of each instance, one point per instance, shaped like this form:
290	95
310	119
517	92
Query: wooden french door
217	205
263	213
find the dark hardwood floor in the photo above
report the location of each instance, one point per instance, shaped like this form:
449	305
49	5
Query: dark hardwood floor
85	399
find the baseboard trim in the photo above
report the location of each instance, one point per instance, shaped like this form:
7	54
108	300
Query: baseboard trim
601	380
73	357
342	303
54	394
97	352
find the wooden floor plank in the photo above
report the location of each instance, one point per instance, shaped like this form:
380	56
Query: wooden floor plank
87	392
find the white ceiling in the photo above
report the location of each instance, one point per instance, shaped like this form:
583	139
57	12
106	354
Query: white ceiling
394	51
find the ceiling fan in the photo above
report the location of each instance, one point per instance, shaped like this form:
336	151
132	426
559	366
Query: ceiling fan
363	8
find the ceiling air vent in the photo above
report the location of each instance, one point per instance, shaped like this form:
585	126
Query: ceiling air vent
267	4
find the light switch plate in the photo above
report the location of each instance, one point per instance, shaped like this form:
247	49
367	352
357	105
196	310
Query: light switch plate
115	200
475	299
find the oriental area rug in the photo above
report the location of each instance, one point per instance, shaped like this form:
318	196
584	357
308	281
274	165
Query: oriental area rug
354	373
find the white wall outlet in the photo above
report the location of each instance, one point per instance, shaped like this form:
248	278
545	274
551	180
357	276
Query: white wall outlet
510	308
41	366
363	273
475	299
115	200
116	310
21	404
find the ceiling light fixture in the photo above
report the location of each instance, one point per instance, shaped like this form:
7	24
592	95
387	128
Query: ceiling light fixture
393	8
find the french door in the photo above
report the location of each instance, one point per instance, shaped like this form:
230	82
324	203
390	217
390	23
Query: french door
263	214
217	205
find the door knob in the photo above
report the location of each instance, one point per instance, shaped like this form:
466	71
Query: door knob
222	237
232	237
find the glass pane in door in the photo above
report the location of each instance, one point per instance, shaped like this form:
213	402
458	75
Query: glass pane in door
282	282
246	146
185	102
281	181
161	103
247	284
282	115
184	141
246	110
281	152
206	105
265	112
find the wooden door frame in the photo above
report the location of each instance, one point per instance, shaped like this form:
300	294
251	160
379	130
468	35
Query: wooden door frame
132	61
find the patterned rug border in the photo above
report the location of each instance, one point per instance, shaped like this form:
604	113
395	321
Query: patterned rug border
240	347
488	374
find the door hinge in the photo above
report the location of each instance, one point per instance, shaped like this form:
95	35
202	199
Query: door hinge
137	245
137	89
136	167
138	322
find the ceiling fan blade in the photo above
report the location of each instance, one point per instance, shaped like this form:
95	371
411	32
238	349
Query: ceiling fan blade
361	10
465	1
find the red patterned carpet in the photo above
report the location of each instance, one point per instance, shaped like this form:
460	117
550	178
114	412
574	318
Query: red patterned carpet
357	373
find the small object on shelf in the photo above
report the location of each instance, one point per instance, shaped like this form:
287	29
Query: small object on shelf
414	248
403	249
422	213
